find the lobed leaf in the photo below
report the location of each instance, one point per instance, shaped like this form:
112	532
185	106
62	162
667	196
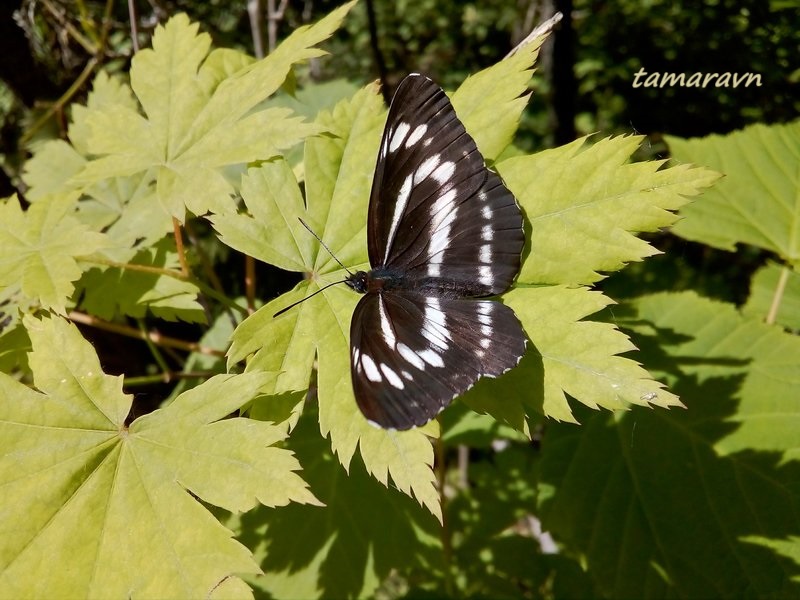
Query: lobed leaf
584	205
732	456
571	356
758	202
338	171
111	291
490	103
195	124
366	533
39	249
110	504
575	357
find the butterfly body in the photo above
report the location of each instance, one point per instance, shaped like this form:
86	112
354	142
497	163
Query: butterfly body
443	234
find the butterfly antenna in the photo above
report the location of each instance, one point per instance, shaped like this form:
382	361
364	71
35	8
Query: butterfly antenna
293	304
319	239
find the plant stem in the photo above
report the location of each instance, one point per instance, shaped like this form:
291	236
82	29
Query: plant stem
176	228
250	283
167	377
59	104
447	547
777	297
157	356
155	337
134	27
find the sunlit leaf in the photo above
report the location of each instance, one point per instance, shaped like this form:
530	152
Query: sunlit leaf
112	506
39	248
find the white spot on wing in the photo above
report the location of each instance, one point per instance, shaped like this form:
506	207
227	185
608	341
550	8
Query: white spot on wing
433	311
426	168
398	136
486	233
444	172
486	211
430	357
386	324
444	201
370	369
485	275
394	378
485	255
416	135
411	356
440	238
399	209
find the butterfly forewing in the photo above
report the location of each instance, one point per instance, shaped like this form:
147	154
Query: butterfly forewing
412	354
473	241
425	155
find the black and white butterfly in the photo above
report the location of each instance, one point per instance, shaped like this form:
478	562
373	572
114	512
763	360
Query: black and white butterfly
443	231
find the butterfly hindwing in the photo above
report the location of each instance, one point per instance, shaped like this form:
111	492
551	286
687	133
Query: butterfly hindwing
412	354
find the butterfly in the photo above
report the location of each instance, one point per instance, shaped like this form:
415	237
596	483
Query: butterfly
443	233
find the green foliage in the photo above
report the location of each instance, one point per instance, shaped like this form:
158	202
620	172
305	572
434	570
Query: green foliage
686	502
698	500
112	501
337	172
757	202
342	551
187	137
39	247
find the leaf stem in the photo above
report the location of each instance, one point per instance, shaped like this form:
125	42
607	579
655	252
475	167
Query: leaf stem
59	104
777	297
157	356
87	44
134	26
250	282
447	547
167	377
176	228
155	337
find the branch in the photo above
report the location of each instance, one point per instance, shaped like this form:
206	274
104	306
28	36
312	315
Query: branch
153	336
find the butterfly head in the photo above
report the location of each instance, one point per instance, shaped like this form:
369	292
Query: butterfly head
359	281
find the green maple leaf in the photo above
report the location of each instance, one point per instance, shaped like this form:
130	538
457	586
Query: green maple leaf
733	526
109	504
603	198
39	248
197	121
758	202
124	208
